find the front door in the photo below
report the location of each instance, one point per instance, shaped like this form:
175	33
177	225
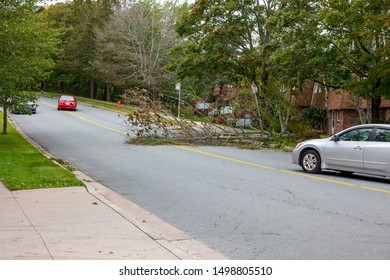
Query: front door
346	153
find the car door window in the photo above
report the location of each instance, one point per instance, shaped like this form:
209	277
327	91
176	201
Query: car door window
361	134
382	135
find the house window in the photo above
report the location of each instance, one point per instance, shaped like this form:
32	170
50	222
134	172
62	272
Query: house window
338	115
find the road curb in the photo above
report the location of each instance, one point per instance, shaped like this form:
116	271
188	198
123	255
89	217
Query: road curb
172	239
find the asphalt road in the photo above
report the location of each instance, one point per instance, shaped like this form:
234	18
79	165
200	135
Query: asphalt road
246	204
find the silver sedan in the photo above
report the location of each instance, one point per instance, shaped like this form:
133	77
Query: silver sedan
362	149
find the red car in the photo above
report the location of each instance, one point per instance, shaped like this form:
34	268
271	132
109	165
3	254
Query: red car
67	102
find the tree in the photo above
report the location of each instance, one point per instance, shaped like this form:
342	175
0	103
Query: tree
232	39
133	46
26	50
359	30
299	54
339	44
58	17
80	44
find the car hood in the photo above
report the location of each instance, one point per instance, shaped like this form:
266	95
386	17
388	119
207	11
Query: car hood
316	142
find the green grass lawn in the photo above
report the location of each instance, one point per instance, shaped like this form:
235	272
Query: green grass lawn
23	167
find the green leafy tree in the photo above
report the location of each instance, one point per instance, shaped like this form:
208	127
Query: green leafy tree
26	49
231	39
79	45
359	30
58	17
339	44
298	56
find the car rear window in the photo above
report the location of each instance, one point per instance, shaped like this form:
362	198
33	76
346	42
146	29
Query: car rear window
382	135
67	98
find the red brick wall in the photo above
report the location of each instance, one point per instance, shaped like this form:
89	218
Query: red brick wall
347	118
303	98
339	100
386	113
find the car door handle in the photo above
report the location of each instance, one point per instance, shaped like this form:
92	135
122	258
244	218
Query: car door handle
358	148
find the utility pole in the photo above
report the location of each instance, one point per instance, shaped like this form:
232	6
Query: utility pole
178	88
255	90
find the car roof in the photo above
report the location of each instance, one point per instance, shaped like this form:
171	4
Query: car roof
372	125
65	95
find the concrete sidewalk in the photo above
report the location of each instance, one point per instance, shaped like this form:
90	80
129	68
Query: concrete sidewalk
88	223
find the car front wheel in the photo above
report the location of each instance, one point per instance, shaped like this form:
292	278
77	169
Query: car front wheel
311	162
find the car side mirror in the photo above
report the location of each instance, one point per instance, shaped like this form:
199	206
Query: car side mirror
335	138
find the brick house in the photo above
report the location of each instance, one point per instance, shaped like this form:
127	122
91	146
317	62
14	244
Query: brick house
310	96
343	112
342	108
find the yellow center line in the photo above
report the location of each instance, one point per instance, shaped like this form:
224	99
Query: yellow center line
285	171
92	122
236	160
226	158
318	178
374	189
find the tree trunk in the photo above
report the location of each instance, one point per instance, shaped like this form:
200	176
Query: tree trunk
369	110
328	116
62	87
108	88
283	120
5	120
259	117
92	89
358	104
258	110
43	85
264	82
375	108
76	88
284	115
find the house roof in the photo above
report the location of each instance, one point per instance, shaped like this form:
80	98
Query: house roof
385	103
308	98
303	98
340	100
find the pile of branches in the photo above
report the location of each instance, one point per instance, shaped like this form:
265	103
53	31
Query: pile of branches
154	124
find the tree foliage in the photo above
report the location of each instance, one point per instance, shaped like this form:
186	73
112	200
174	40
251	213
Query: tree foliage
26	49
228	37
281	44
133	46
272	45
80	43
341	44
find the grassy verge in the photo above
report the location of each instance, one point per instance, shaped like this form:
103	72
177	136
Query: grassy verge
23	167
